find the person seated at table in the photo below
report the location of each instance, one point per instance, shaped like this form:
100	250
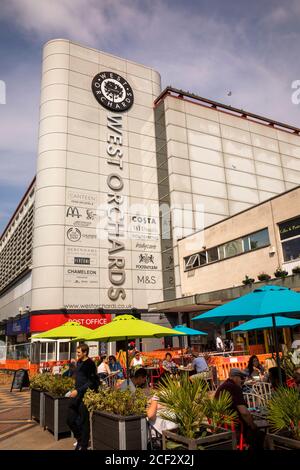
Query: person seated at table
159	423
254	368
253	436
139	379
199	364
168	364
103	368
137	361
273	377
115	366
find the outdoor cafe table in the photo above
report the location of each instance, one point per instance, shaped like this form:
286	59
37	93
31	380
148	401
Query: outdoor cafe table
151	371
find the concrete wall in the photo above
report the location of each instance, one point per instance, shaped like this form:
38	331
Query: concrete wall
72	172
16	297
223	164
230	272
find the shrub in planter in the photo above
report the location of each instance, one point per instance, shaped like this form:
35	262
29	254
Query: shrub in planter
296	270
263	277
57	406
39	383
280	273
118	419
248	280
284	417
199	419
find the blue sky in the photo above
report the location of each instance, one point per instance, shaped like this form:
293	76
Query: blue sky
206	47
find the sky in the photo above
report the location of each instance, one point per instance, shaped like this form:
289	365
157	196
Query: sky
207	47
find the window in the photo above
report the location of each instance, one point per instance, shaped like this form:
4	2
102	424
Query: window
290	237
232	248
212	255
291	249
259	239
192	261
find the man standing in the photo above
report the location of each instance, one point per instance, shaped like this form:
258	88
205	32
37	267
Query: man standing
233	385
78	415
219	343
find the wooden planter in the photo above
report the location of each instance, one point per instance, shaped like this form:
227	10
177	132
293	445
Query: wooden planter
114	432
56	413
282	442
38	406
225	440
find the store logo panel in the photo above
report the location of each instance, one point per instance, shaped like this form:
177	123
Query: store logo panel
112	91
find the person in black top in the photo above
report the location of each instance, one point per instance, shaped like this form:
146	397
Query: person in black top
78	415
254	437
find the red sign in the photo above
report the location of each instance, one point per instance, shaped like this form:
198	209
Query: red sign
39	323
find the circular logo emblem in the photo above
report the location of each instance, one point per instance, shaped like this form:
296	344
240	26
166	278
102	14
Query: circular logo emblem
112	91
74	234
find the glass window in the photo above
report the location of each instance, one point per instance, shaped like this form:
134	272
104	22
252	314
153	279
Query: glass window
212	255
246	243
233	248
291	249
192	261
202	256
259	239
63	351
221	252
51	351
289	229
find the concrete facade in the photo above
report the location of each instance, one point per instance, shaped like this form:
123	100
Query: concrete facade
230	272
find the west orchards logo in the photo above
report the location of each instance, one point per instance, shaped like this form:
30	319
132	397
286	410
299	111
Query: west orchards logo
112	91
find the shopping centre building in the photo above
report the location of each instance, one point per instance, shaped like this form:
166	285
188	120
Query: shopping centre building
134	188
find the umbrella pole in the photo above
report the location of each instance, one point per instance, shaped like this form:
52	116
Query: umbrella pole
127	361
70	350
276	344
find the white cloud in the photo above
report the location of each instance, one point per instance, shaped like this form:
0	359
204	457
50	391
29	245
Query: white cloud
200	52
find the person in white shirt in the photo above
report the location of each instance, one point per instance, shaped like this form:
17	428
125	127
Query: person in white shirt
295	344
103	368
137	360
138	380
219	343
153	414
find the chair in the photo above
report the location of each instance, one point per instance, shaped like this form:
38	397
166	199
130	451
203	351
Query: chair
154	437
254	400
262	389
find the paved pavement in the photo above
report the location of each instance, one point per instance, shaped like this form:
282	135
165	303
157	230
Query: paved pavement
18	431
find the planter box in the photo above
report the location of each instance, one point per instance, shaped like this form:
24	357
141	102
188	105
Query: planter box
38	406
224	440
56	413
113	432
282	442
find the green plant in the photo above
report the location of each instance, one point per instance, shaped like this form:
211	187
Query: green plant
248	280
118	402
188	405
59	386
263	277
280	272
41	382
288	365
219	411
296	270
284	411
